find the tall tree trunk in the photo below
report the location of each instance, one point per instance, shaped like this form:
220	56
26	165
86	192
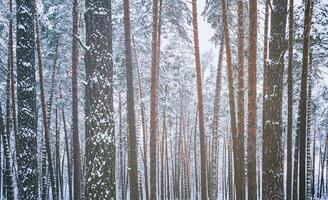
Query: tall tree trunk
215	144
309	164
133	150
273	154
252	103
314	166
265	59
44	110
143	125
200	102
77	169
230	184
296	167
57	154
162	185
290	100
100	135
323	157
302	119
168	192
237	148
69	168
26	140
8	188
75	110
239	141
195	157
153	101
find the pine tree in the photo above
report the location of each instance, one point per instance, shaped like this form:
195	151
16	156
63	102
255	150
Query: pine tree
68	158
302	116
77	169
44	110
200	104
290	100
100	135
26	140
235	138
153	101
273	154
239	141
215	144
252	103
8	187
133	150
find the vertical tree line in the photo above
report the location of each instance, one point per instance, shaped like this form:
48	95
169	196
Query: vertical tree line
74	135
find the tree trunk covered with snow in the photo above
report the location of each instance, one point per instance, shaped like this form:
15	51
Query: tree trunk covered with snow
290	100
302	112
26	139
100	135
213	194
273	154
44	110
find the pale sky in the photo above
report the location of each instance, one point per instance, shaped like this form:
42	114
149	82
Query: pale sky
205	30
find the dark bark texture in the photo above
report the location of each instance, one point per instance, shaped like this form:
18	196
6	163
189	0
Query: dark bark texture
100	135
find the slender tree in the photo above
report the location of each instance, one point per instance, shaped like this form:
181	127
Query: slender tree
100	135
8	188
265	68
44	111
252	104
239	141
26	139
75	109
290	100
68	158
133	150
143	124
237	148
200	104
215	143
7	179
302	119
153	101
273	154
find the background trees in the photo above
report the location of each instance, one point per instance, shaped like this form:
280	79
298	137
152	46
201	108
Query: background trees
178	134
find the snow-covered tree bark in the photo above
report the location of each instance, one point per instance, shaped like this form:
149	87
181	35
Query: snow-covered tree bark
44	110
290	100
26	139
302	116
273	154
213	194
100	135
